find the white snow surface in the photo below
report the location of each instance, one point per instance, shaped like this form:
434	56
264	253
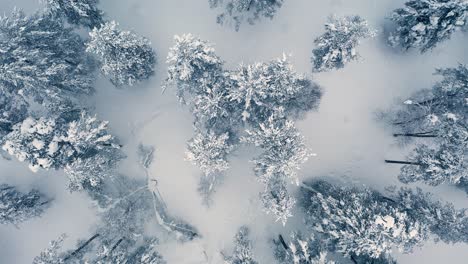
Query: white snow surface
349	142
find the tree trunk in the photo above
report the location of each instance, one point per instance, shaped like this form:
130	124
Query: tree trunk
7	188
81	247
353	260
403	162
429	101
116	245
434	100
45	202
307	187
389	199
250	5
280	237
408	121
421	135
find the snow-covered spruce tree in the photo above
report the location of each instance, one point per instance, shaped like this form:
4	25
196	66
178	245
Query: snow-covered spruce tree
242	253
125	57
251	104
83	147
42	60
422	24
337	46
362	222
236	12
76	12
17	207
437	117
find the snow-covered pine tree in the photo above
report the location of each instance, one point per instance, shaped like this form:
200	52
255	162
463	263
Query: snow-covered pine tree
426	112
42	60
126	254
209	152
300	250
95	155
125	207
284	151
13	109
236	12
122	251
362	222
31	140
52	254
276	199
444	163
384	259
88	173
82	146
17	207
125	57
358	222
444	221
242	253
437	117
268	95
262	90
201	83
337	46
311	250
76	12
422	24
251	104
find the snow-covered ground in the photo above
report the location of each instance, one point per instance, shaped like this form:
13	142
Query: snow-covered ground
349	142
